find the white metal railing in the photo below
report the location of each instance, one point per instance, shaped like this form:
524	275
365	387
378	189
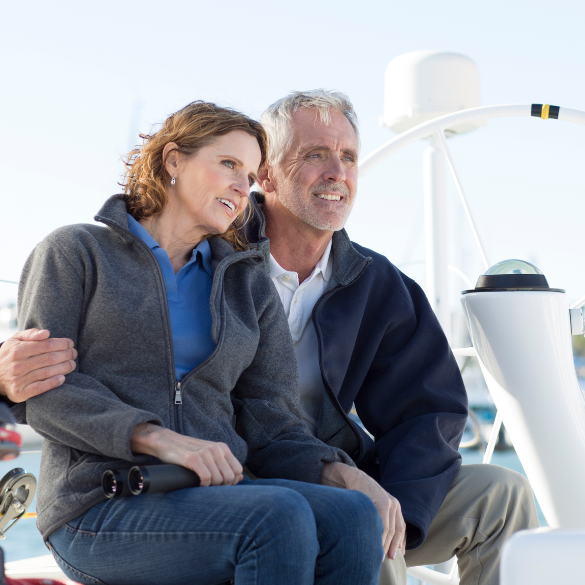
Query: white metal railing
467	209
445	122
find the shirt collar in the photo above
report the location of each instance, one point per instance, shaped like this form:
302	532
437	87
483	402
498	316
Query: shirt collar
275	268
140	232
324	266
202	248
205	251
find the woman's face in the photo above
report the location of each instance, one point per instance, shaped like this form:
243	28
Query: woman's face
212	187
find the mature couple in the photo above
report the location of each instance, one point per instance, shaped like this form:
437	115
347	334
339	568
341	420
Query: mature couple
185	355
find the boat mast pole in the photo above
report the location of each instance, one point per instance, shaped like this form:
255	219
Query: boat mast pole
436	245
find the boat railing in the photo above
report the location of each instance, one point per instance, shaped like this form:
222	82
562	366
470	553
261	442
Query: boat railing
435	131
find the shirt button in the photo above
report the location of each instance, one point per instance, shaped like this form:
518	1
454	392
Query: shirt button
296	299
286	278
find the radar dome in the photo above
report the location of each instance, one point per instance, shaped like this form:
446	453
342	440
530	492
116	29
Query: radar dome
423	85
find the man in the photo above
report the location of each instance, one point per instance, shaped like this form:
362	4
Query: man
365	334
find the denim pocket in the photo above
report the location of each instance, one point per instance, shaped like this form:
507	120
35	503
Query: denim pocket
73	573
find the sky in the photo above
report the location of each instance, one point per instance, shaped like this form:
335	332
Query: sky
79	81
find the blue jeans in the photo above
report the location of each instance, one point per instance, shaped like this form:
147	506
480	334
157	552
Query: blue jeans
263	532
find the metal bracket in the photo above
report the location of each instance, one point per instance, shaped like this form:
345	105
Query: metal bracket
17	490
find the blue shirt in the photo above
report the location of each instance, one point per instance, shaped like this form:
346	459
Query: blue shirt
188	294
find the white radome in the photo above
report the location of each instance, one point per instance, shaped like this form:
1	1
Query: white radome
423	85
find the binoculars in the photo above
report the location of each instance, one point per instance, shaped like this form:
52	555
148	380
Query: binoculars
149	479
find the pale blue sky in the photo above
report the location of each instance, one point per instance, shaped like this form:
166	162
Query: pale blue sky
78	79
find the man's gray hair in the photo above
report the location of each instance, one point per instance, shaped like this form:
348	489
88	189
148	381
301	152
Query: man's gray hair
276	119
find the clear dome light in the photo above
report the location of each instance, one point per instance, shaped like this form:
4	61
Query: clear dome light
513	275
512	267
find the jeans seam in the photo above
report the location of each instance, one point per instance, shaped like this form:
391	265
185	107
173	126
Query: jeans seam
164	533
79	531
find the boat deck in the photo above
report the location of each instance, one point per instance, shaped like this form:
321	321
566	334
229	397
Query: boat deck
43	567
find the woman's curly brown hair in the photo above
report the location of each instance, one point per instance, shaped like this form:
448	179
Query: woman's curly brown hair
191	128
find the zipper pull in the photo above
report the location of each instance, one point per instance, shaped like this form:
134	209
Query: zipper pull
178	398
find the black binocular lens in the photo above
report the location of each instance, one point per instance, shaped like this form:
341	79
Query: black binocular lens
109	484
136	480
114	484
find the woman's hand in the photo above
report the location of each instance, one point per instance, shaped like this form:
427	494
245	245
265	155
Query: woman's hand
214	463
344	476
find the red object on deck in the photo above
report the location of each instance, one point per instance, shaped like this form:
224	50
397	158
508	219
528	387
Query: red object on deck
10	441
7	436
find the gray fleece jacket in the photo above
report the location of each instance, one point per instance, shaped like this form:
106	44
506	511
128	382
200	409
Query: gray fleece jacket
102	287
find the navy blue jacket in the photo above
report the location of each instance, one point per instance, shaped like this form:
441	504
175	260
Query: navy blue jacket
382	348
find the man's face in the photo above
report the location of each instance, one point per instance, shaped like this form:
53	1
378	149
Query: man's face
317	178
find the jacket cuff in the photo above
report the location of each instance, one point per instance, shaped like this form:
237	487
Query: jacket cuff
313	473
418	521
342	457
334	456
122	433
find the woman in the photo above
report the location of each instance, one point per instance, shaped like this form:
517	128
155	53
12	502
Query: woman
179	331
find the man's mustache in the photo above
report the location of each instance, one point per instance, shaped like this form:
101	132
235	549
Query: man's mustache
331	188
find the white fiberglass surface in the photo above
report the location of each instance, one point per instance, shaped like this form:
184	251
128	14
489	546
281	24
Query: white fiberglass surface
543	556
523	342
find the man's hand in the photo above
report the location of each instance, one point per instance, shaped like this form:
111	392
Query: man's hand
344	476
213	462
31	363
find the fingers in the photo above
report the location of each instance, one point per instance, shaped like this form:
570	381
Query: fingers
384	508
40	387
196	462
216	465
29	357
212	475
236	466
32	335
46	365
31	348
47	373
388	506
221	472
388	539
36	375
228	466
399	530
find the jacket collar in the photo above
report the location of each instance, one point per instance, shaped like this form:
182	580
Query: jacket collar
113	214
348	263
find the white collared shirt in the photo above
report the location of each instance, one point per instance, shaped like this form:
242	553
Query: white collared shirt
298	301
